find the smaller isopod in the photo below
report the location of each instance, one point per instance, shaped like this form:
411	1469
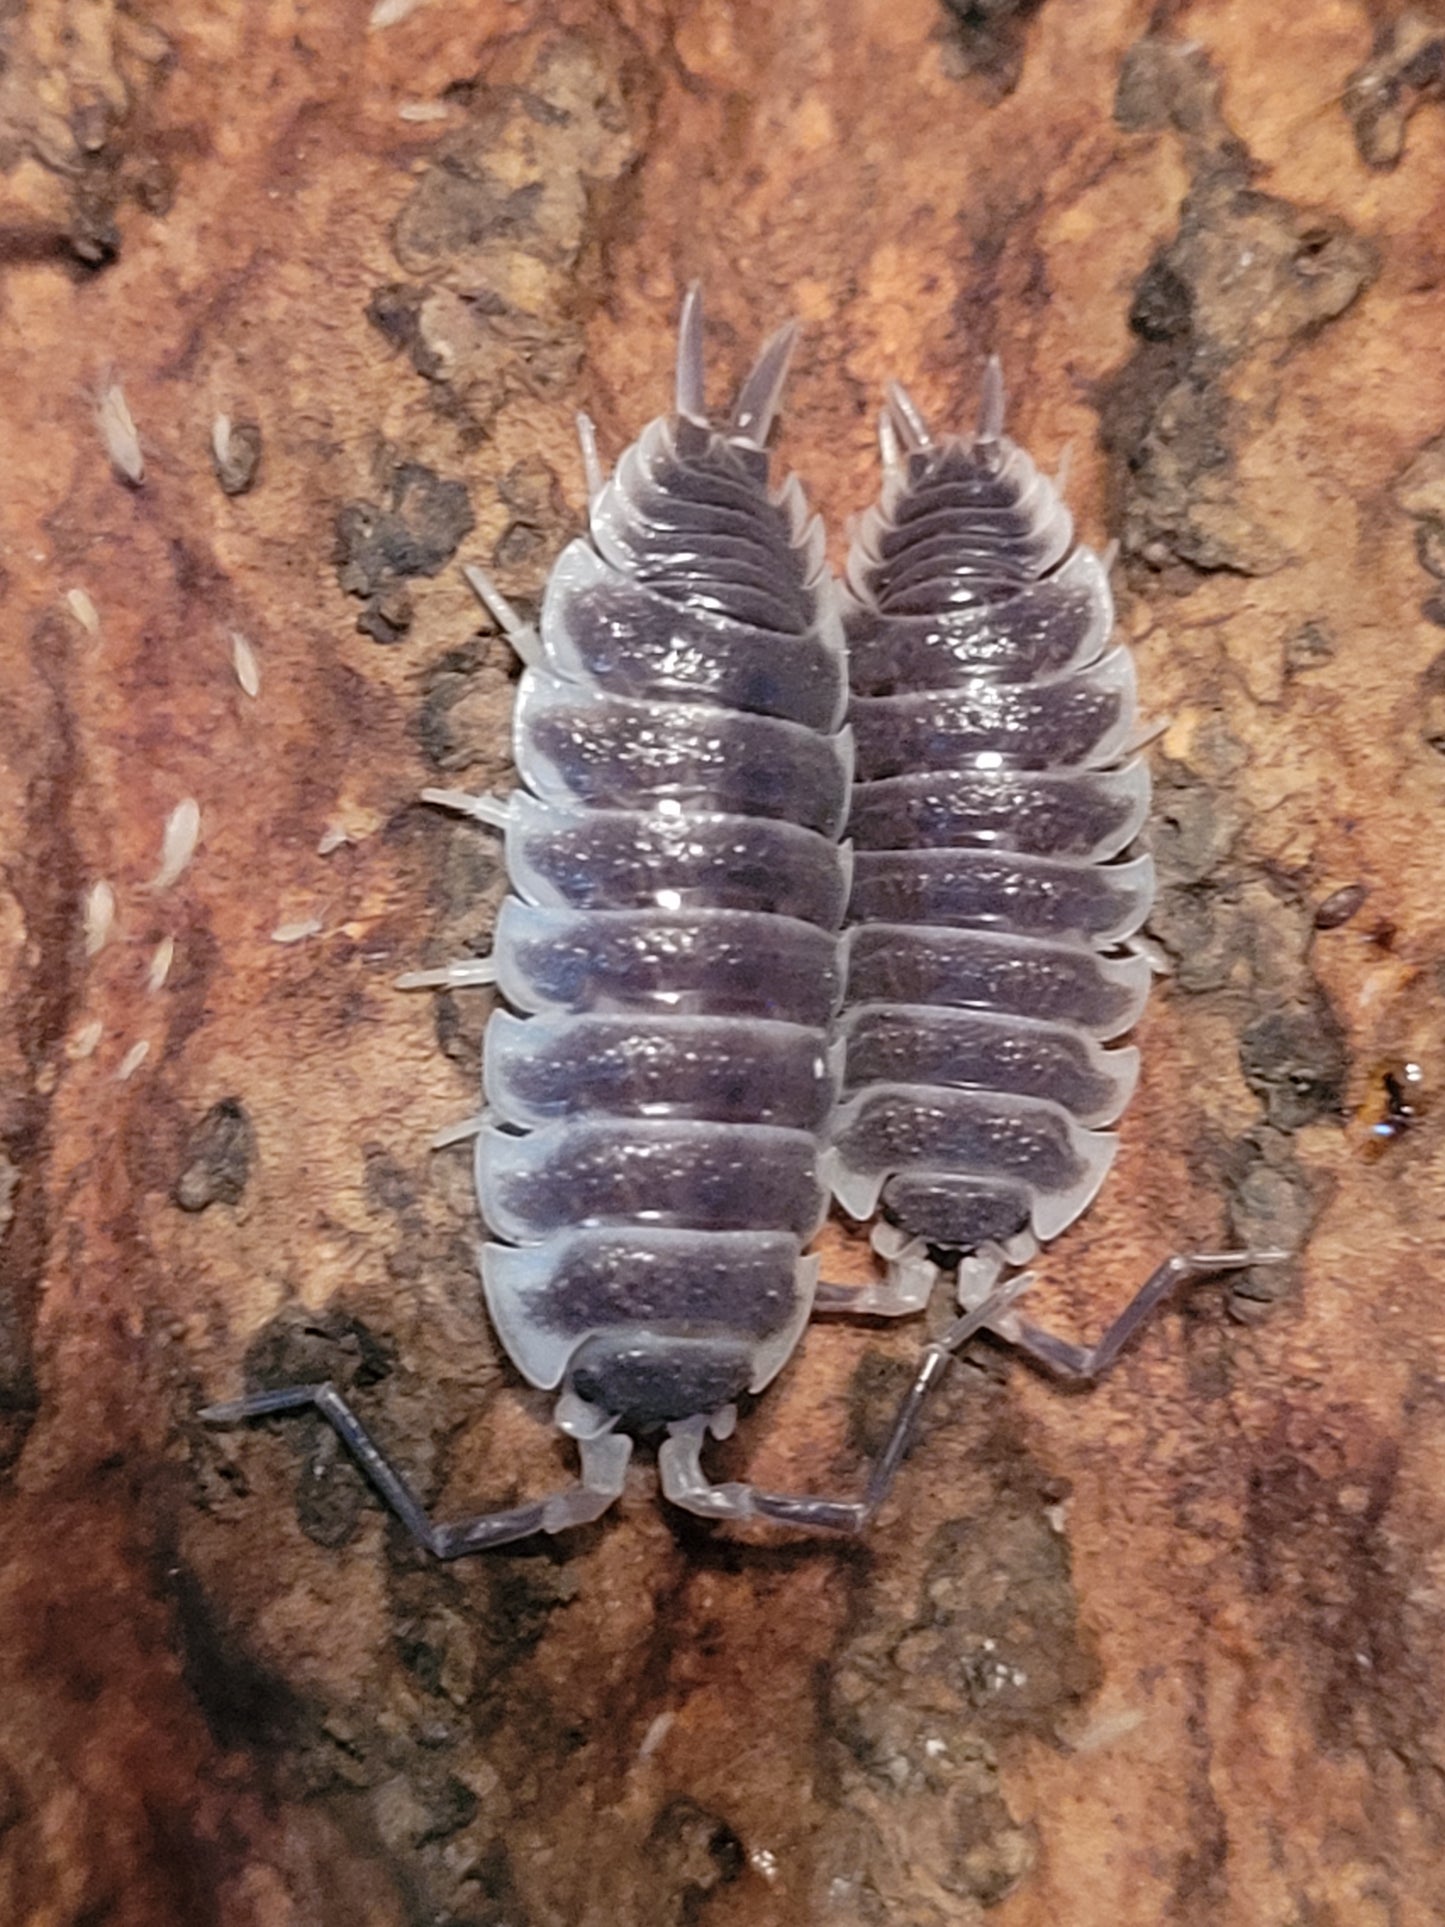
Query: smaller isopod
178	844
118	432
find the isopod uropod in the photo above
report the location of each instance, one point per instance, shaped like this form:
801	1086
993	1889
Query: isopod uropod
662	1119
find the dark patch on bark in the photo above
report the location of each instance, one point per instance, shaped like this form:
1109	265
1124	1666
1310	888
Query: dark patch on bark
506	221
1244	940
304	1348
1430	707
975	1639
694	1852
218	1155
465	711
462	1631
1273	1203
1244	271
243	1704
416	533
878	1383
1406	69
387	1182
448	1806
117	156
13	1807
1420	492
47	880
395	311
1001	1617
1294	1060
1319	1545
500	1896
989	38
1192	828
1310	647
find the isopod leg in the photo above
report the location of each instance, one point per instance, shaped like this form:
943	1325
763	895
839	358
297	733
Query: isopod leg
468	973
685	1483
604	1464
494	811
905	1291
522	635
904	1294
991	404
908	423
1084	1363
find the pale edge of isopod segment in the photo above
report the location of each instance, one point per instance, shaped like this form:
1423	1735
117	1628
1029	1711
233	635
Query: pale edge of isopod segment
678	891
994	958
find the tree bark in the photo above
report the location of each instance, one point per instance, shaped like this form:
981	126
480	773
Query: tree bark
1166	1651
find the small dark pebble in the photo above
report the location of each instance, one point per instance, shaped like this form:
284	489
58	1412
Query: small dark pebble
387	616
1340	905
1294	1060
236	469
218	1158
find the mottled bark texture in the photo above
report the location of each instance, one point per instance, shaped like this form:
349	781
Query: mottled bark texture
1168	1651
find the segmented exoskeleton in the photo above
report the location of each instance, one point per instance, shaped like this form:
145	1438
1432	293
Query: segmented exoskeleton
647	1163
651	1159
999	790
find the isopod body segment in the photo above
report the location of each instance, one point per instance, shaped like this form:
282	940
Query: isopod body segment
997	796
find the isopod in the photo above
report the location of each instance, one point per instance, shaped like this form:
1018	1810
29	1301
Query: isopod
662	1121
99	916
178	843
118	432
996	882
656	1097
84	610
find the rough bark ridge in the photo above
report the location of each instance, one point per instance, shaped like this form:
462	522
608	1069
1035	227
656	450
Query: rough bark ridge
1166	1652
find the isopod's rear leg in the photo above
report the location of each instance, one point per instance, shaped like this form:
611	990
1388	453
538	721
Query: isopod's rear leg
905	1290
604	1465
1085	1363
684	1482
910	1275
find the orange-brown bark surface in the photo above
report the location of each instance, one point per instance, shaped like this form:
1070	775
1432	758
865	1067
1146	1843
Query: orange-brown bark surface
1167	1651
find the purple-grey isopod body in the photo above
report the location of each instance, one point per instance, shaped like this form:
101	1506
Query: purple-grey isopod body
658	1092
988	965
649	1165
662	1118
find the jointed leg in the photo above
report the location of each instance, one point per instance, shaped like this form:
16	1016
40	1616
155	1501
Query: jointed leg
1085	1363
522	635
604	1465
467	973
906	1288
471	973
591	460
691	398
685	1483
